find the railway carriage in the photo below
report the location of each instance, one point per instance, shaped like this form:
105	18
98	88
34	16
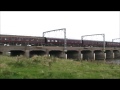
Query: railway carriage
54	41
60	42
89	43
19	40
74	42
112	44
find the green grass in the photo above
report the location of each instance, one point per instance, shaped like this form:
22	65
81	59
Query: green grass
43	67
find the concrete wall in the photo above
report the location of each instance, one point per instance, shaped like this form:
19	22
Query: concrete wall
99	55
27	53
87	55
56	53
72	52
116	54
109	54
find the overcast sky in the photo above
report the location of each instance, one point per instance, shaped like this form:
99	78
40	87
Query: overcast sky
77	23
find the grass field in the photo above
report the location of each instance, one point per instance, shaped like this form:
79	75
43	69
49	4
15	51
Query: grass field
43	67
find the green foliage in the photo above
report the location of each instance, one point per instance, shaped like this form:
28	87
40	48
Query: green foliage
39	67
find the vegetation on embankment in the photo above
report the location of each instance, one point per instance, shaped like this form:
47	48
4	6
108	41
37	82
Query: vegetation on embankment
43	67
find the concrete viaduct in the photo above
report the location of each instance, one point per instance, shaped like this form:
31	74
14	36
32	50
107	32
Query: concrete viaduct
78	53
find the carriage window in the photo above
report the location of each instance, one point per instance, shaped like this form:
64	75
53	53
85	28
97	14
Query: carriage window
52	40
55	40
27	39
33	40
19	39
48	40
37	40
13	39
5	38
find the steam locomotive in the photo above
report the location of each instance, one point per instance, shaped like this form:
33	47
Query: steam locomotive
17	40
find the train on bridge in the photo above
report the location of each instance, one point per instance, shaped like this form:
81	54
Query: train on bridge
18	40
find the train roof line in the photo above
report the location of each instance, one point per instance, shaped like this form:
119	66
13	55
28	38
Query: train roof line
46	37
74	39
18	35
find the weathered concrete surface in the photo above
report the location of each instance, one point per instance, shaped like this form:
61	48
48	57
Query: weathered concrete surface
99	55
72	52
116	54
87	55
109	54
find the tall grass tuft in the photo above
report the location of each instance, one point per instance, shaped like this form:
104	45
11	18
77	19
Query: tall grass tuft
5	70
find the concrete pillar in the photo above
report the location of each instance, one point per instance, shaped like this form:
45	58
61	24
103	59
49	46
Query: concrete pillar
113	55
105	55
93	56
65	56
27	53
47	53
6	53
81	56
